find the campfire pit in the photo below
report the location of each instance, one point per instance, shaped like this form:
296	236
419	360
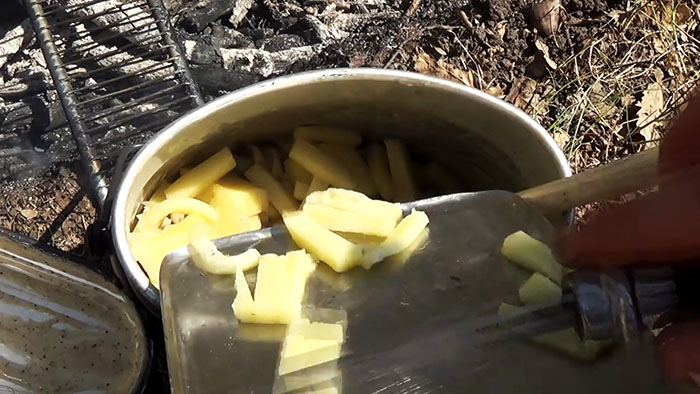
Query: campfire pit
602	77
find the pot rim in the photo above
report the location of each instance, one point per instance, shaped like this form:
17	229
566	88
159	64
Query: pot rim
137	277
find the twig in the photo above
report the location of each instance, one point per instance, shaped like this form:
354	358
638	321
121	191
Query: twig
412	8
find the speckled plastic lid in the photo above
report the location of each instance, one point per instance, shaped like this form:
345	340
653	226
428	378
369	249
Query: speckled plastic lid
64	328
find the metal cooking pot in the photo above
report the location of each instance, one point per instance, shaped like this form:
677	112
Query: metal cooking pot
488	143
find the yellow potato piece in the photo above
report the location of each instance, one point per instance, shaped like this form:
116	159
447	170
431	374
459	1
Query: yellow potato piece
415	246
231	220
296	171
276	192
331	134
250	200
301	189
354	163
321	165
159	194
353	222
154	213
317	184
538	289
566	341
308	344
532	254
355	202
379	169
400	168
331	248
279	290
150	249
258	157
204	174
209	259
405	233
274	163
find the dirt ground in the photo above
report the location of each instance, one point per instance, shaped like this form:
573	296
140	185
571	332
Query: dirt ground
603	77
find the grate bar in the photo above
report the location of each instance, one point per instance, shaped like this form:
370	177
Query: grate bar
118	51
130	118
124	21
112	95
123	107
83	18
152	68
93	93
104	69
153	126
93	45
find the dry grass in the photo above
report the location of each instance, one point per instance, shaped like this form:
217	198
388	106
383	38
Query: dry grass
628	83
604	85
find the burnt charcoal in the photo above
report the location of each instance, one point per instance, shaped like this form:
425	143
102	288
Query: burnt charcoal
255	34
280	43
216	80
205	54
196	19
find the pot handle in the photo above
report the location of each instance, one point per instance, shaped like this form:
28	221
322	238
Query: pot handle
638	171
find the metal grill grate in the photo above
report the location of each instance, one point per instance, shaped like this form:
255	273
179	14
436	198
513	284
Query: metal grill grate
118	71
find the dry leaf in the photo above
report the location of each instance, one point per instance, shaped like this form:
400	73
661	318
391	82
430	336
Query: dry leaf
29	213
545	16
494	91
561	138
501	28
425	64
650	108
544	49
540	62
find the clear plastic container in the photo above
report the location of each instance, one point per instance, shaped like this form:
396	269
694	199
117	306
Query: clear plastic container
63	327
459	274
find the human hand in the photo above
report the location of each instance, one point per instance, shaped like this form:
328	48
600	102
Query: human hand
662	227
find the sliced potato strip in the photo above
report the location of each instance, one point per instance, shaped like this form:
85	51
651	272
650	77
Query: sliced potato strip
532	254
204	174
405	233
159	194
353	222
250	200
296	171
317	184
327	134
321	165
331	248
538	289
153	216
276	192
308	344
151	248
209	259
274	163
258	157
400	167
231	219
279	289
416	245
301	189
354	163
379	169
351	201
566	341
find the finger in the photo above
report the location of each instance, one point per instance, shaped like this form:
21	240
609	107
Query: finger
660	227
678	352
680	150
